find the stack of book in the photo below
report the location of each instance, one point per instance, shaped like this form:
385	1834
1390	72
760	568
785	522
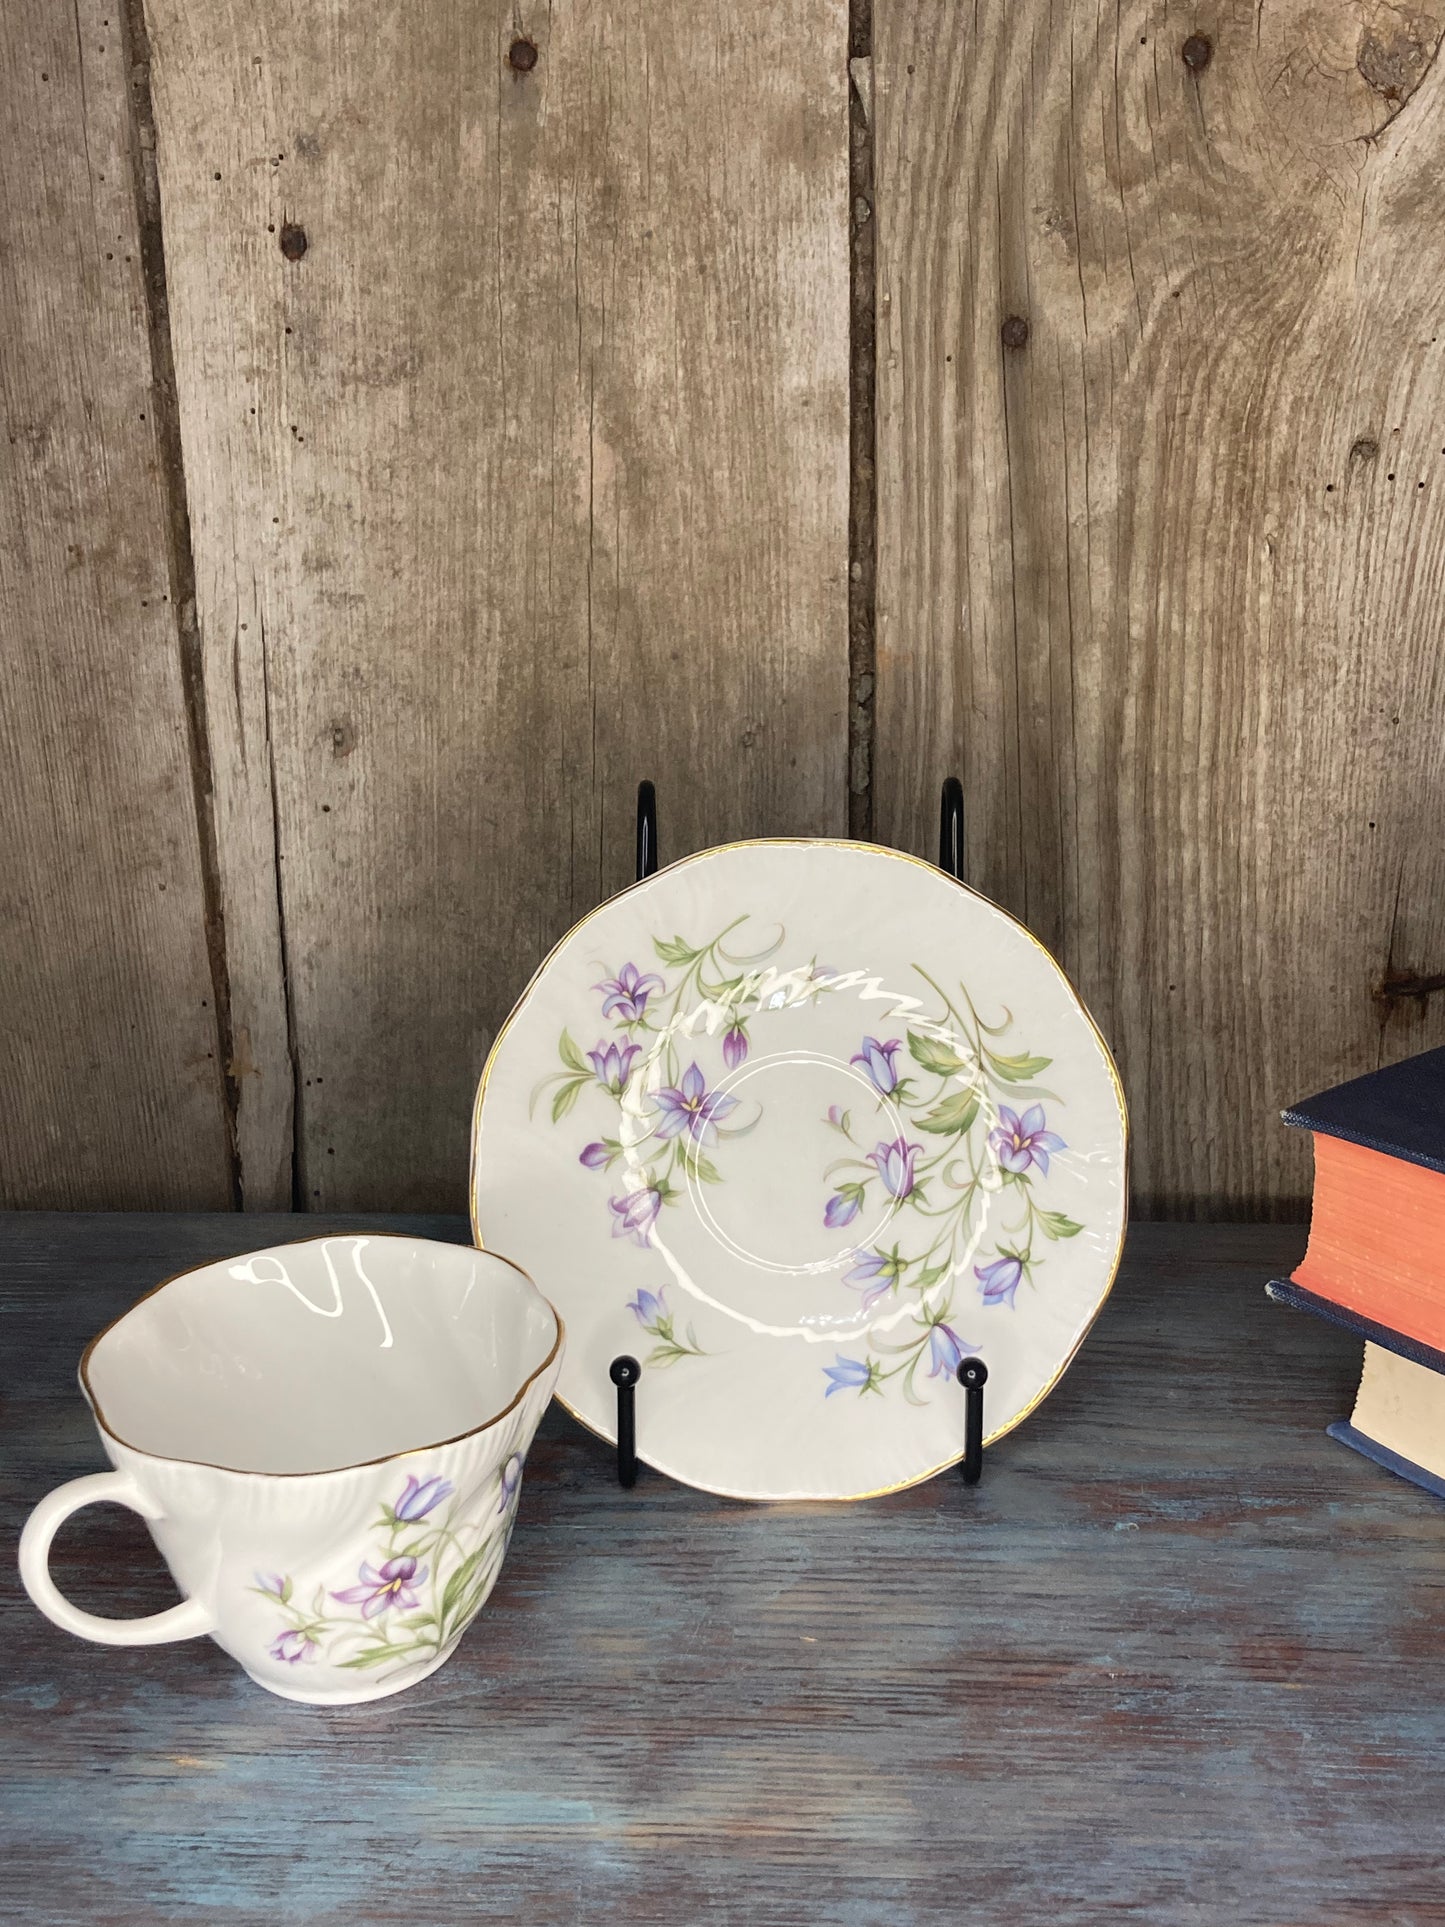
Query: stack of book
1376	1256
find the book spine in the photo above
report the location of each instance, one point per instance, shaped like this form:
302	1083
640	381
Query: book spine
1284	1291
1403	1468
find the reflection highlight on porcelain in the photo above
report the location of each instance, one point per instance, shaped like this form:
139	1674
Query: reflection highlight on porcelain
812	1181
771	990
660	1105
735	1081
245	1273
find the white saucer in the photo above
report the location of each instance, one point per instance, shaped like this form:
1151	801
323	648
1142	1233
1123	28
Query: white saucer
801	1124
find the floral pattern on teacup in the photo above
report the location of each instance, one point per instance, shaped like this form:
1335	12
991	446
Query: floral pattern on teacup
417	1589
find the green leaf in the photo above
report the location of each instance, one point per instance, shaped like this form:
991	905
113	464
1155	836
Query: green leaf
570	1055
565	1098
462	1578
676	952
670	1352
1057	1224
929	1276
705	1169
378	1656
952	1117
1018	1070
934	1055
467	1610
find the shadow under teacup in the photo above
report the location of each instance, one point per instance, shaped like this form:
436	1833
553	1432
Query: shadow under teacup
326	1440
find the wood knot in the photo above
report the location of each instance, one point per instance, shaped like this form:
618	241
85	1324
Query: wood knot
1364	448
522	56
1395	52
1015	332
1197	52
293	240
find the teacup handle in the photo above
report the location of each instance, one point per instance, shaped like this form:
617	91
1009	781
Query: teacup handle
185	1621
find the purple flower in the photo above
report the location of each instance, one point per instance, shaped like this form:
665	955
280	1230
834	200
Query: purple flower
613	1065
1000	1280
293	1646
947	1350
273	1583
649	1309
894	1164
634	1215
626	994
837	1117
874	1275
735	1047
511	1479
877	1061
421	1496
690	1107
843	1207
1019	1142
596	1156
380	1591
847	1373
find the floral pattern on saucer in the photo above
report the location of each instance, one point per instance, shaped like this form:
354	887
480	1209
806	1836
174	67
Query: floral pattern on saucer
769	1290
944	1077
669	1117
973	1149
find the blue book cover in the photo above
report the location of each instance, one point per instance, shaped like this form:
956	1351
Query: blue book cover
1399	1110
1285	1291
1345	1433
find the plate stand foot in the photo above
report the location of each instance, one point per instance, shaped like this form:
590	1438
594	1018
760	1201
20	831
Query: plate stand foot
624	1373
972	1376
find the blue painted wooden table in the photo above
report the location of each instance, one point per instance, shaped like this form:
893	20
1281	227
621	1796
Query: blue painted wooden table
1177	1659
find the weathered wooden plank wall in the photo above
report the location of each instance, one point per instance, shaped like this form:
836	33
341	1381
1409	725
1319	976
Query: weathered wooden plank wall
1161	500
461	429
110	1070
512	359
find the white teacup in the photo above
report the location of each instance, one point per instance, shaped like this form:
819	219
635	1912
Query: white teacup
326	1440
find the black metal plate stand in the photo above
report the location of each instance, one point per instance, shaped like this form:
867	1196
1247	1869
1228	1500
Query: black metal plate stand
625	1371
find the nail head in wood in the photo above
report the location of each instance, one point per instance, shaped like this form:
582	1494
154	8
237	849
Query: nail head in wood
522	56
1015	332
1198	51
293	240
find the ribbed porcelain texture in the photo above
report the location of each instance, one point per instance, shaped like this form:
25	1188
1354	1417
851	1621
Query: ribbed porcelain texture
327	1439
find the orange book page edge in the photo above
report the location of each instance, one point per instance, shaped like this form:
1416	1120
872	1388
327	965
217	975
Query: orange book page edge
1377	1238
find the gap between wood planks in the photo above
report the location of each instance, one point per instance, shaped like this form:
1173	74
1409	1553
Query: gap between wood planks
862	435
180	560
